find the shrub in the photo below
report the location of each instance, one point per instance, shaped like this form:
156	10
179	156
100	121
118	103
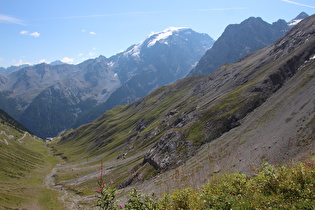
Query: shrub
140	201
274	186
106	197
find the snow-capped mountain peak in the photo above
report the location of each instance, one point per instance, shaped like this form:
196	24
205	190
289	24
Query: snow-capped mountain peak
163	35
151	40
134	50
298	19
294	22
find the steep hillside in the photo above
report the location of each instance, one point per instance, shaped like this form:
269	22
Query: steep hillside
50	98
24	164
11	122
261	108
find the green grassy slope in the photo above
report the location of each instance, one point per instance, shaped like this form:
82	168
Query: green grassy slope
24	162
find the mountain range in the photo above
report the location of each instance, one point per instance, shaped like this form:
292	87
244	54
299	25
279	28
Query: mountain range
258	109
51	98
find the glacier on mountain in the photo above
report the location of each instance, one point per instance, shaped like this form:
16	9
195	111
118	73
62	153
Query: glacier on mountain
294	22
163	35
134	50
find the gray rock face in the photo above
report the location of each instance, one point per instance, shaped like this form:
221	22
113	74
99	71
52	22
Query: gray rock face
170	151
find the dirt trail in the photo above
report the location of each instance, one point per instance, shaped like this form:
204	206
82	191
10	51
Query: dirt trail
70	199
20	139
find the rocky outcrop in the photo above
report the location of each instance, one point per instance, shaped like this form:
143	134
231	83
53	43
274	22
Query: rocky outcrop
170	151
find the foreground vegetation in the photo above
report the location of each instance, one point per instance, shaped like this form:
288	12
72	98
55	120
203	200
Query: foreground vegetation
273	186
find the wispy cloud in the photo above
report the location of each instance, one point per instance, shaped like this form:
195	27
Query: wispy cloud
20	62
42	61
92	33
24	32
220	9
34	34
293	2
138	13
106	15
92	52
67	60
11	20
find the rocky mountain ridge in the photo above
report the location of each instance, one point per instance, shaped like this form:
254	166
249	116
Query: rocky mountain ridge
12	69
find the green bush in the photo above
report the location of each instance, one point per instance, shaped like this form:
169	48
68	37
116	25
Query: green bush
273	187
138	201
106	199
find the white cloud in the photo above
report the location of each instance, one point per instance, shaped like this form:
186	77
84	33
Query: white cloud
80	54
42	61
293	2
67	60
92	52
92	33
21	62
8	19
83	30
24	32
220	9
35	34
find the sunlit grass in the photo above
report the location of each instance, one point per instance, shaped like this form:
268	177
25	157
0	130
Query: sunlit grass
25	162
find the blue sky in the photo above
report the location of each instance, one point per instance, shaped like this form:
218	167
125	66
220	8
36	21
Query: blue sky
35	31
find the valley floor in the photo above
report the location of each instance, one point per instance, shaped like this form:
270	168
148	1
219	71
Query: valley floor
26	165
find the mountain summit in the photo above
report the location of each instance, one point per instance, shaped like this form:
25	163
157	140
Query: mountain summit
162	36
50	98
297	19
238	40
160	59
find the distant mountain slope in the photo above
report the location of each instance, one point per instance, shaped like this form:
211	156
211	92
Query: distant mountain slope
260	108
10	121
49	99
238	40
12	69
